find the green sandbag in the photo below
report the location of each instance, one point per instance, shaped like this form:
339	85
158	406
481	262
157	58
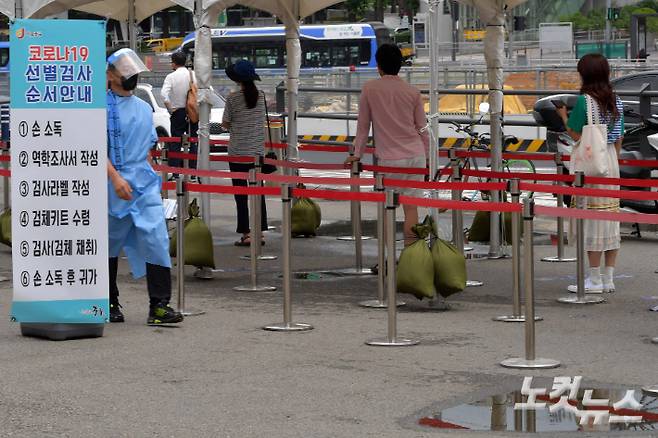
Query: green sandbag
415	272
449	268
318	213
306	217
480	231
5	227
198	248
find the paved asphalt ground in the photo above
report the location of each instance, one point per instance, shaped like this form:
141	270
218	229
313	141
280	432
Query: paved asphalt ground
220	375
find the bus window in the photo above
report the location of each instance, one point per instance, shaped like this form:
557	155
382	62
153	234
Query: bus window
4	57
267	57
316	54
350	52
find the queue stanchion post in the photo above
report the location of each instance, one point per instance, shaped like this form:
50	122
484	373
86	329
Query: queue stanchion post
530	361
357	234
355	219
560	258
203	273
458	215
517	314
185	148
286	249
392	339
180	250
581	297
380	302
254	241
164	174
257	232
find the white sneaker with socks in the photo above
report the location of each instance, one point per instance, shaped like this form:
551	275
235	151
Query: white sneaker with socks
593	282
591	287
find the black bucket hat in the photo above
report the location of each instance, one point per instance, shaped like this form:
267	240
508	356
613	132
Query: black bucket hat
242	71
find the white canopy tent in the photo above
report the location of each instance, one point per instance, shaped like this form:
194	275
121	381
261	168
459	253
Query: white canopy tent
492	14
290	12
130	11
7	8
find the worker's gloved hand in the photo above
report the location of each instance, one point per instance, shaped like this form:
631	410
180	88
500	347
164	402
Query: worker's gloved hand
122	188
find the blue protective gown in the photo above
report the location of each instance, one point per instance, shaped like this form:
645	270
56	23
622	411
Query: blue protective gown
136	226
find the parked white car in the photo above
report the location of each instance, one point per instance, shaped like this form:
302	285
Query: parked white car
151	95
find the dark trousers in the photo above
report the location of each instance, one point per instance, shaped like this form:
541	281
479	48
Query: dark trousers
158	283
179	126
242	203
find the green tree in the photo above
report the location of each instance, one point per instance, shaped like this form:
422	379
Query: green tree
645	7
595	20
356	9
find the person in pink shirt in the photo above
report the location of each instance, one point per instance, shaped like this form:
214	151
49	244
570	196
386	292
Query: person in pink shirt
396	112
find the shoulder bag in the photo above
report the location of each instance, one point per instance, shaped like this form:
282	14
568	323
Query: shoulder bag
590	155
271	155
191	104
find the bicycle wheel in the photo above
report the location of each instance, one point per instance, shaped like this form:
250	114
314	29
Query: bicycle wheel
522	166
472	195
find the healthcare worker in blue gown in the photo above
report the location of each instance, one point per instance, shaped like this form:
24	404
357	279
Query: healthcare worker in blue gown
136	216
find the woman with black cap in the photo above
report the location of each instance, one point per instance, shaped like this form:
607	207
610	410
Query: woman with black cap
244	118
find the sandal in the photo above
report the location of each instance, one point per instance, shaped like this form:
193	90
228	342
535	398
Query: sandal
244	241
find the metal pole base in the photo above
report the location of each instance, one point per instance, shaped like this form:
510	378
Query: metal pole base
473	283
288	327
556	259
520	363
512	318
655	340
204	273
468	248
651	390
352	238
2	278
192	312
587	299
397	342
351	271
254	288
376	304
260	257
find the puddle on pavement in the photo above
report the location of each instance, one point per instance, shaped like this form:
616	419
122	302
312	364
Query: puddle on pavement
496	413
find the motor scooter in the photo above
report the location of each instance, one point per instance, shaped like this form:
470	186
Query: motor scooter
558	140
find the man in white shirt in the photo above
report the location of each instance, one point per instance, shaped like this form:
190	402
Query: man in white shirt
174	93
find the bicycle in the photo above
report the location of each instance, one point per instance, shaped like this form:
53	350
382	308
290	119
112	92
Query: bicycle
481	142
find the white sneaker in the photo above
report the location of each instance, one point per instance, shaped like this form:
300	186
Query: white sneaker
608	285
590	287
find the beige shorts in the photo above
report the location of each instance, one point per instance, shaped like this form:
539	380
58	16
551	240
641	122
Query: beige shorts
417	162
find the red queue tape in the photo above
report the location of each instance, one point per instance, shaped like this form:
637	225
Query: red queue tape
5	158
305	165
5	172
444	185
461	205
169	185
232	190
587	192
202	173
596	215
335	195
406	170
288	179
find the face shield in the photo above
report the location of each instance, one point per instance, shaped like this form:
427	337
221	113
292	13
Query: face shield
126	63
